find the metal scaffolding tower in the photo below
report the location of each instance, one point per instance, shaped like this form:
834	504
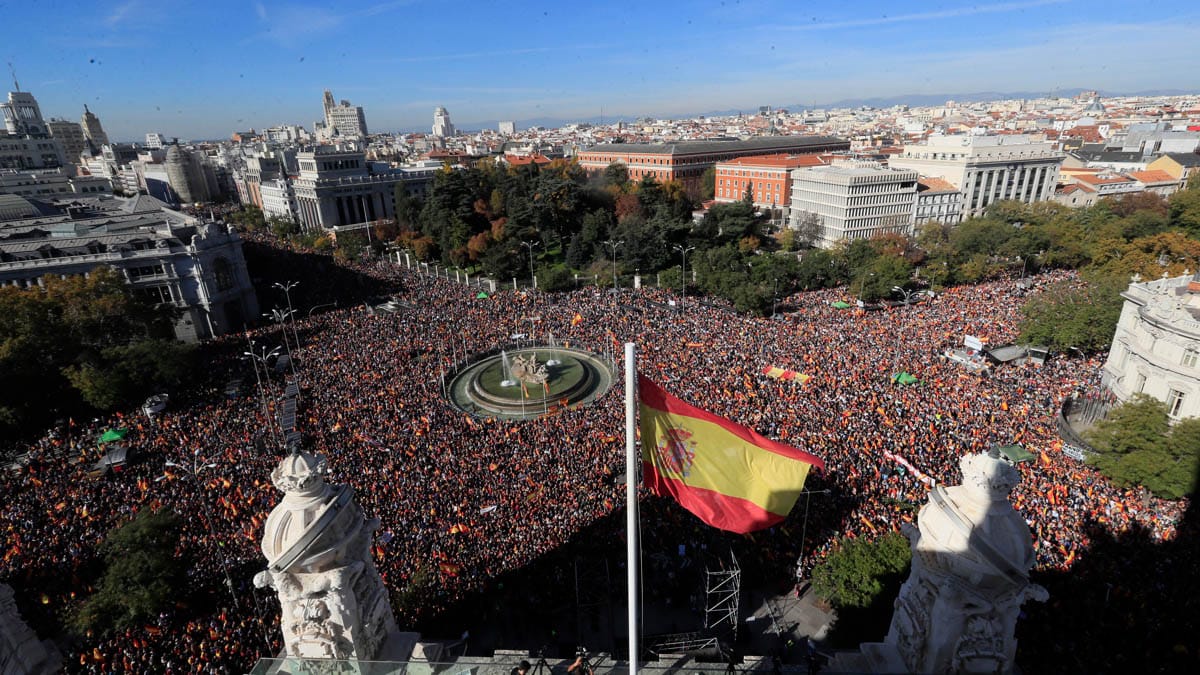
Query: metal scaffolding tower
723	591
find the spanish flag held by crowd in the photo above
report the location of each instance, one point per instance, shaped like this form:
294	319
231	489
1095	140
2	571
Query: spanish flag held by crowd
725	474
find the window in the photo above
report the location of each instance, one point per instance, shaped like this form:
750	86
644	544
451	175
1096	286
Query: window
1141	383
1189	357
1174	402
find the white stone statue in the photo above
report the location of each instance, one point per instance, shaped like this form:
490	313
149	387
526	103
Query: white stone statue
972	552
318	546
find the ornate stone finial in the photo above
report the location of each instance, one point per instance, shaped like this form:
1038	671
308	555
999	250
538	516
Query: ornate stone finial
299	472
989	476
1136	278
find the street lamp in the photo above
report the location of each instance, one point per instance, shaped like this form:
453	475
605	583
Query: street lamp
531	245
613	245
683	251
316	307
280	317
262	356
774	295
193	470
287	287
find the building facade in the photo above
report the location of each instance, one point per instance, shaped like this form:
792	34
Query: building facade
686	161
342	119
92	128
768	177
70	136
442	126
155	140
26	142
853	199
987	169
937	201
339	188
279	199
1156	347
51	183
167	257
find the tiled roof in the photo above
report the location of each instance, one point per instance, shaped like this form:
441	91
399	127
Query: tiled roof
1101	179
935	185
1154	176
697	147
780	161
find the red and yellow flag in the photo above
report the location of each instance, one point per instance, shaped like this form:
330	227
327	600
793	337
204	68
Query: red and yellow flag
726	474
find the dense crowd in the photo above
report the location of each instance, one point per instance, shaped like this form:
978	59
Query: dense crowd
464	500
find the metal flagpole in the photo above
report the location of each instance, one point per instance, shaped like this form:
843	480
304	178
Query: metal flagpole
631	504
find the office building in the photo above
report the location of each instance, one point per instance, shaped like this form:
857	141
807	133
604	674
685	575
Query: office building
343	120
70	135
987	169
937	201
853	199
155	140
442	127
92	129
508	128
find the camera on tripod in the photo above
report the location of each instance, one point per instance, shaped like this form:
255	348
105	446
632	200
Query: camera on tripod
581	651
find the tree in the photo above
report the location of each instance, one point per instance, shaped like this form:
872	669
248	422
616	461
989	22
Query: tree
555	278
142	575
859	572
617	174
1136	445
283	228
708	183
1067	315
808	229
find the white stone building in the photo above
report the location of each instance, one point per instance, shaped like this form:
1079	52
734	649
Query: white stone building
442	127
279	199
1156	348
337	187
987	169
343	120
937	201
853	200
155	140
166	256
51	183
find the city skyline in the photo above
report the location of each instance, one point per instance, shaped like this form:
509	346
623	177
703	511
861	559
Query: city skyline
205	72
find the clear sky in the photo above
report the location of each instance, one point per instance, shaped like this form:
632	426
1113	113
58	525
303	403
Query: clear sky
202	69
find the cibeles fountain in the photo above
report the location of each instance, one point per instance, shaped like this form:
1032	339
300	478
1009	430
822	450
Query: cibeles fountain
318	548
957	611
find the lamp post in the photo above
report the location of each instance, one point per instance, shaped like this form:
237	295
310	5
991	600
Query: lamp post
287	287
613	245
193	471
262	356
774	295
531	245
683	251
280	317
316	307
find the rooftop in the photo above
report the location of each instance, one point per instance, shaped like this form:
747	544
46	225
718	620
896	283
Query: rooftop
697	147
780	161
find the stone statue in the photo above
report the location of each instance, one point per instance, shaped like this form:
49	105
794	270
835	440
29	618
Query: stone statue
526	369
972	552
318	547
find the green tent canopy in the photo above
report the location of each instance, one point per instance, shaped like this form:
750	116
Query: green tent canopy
904	378
1016	453
113	435
841	305
482	295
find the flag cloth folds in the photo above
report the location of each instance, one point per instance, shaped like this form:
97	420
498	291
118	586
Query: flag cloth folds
725	474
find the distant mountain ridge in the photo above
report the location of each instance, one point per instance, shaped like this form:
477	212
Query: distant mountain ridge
916	100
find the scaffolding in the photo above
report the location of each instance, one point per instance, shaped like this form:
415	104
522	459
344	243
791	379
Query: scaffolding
723	591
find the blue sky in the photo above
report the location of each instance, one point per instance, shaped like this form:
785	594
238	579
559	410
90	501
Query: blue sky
205	69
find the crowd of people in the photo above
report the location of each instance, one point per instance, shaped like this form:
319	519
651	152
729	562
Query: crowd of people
465	500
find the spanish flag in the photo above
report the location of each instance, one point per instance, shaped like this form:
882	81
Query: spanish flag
577	319
726	474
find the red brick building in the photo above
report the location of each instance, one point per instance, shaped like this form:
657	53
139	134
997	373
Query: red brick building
768	177
686	161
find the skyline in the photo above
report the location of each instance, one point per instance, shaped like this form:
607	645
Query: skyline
257	64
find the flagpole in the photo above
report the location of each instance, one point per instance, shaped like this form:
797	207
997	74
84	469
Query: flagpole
631	504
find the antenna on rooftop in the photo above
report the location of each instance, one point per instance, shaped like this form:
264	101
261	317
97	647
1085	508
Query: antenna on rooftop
13	71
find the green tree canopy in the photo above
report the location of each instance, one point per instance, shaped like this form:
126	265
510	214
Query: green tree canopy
142	574
1136	445
859	571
